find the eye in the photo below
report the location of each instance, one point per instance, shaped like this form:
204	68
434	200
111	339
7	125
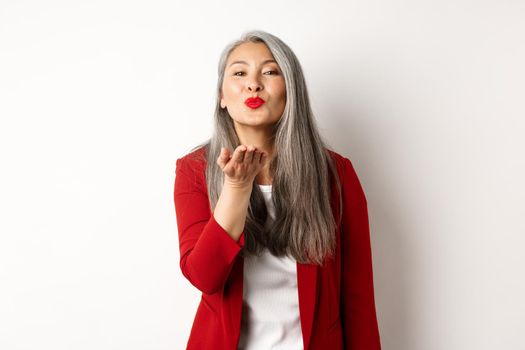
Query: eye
273	72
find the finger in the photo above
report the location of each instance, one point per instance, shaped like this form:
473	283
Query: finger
257	156
238	155
262	158
225	151
220	159
248	157
223	157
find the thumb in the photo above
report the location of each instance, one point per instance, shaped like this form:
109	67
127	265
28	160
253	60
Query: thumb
223	157
225	153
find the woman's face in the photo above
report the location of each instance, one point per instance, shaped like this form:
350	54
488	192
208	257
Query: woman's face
258	75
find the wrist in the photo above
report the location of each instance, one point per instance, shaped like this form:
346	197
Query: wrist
238	187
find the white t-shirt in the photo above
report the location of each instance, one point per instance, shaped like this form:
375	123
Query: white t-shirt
270	312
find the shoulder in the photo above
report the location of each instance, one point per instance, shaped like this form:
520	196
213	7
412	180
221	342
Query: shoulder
348	175
336	157
342	163
196	154
194	160
190	171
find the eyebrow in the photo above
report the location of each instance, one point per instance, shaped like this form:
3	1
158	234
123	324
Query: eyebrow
244	62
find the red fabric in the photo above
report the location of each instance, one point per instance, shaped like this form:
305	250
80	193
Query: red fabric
336	300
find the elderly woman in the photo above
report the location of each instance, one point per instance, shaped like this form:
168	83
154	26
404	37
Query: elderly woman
273	226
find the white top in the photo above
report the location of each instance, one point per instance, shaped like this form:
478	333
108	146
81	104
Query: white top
270	313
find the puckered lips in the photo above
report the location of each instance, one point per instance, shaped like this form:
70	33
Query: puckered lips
254	102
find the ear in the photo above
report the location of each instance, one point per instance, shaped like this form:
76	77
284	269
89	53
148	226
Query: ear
223	104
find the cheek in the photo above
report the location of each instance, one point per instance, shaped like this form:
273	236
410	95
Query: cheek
230	88
277	89
282	96
281	88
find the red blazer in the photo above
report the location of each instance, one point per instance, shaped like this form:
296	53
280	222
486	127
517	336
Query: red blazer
336	300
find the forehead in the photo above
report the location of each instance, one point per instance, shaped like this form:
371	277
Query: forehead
250	52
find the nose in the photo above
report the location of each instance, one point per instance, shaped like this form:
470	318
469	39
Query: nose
254	85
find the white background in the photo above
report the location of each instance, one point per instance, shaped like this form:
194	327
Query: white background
99	98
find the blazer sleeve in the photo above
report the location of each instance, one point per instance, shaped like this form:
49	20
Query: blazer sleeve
207	251
358	313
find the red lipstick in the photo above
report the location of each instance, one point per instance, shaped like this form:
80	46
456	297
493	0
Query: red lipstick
254	102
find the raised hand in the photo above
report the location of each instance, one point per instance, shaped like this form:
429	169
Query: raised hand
241	167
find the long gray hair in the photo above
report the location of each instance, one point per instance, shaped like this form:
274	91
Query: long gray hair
301	167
